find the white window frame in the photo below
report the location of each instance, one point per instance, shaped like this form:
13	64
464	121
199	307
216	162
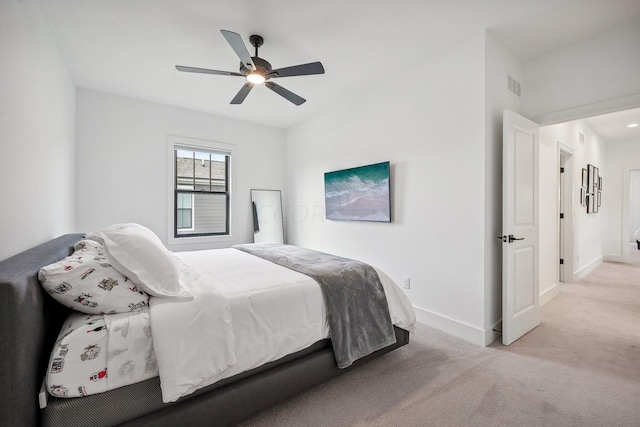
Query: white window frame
186	242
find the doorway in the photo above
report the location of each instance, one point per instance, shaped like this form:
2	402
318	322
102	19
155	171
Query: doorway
583	239
630	212
565	214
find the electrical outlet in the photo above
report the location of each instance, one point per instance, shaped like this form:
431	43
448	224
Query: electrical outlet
406	282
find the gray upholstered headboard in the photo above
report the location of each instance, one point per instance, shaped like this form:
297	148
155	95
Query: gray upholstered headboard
29	324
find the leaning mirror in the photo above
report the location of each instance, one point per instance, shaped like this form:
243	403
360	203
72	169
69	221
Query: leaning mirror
267	216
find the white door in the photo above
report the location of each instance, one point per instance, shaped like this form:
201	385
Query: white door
520	227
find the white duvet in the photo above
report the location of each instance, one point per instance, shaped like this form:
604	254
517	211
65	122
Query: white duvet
245	312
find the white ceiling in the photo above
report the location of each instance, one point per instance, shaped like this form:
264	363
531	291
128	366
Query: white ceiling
613	126
130	47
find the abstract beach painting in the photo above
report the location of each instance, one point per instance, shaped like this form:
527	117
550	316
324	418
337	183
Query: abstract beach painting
358	194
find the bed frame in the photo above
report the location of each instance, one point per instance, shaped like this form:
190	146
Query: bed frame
30	321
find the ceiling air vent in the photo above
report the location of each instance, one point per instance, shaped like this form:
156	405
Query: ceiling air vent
514	86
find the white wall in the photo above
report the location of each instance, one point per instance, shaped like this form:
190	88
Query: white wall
499	65
432	132
587	232
122	162
37	125
622	157
594	76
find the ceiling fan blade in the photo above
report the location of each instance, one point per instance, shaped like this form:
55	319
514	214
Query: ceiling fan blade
239	48
299	70
242	93
206	71
287	94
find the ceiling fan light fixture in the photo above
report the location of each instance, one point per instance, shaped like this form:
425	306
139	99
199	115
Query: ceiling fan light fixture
256	78
258	70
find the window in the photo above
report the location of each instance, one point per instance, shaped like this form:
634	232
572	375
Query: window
184	214
201	191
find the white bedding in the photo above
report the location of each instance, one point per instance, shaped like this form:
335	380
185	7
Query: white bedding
246	311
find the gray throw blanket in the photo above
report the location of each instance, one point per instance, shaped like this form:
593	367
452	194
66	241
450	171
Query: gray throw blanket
357	308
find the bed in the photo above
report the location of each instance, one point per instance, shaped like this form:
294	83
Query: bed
31	321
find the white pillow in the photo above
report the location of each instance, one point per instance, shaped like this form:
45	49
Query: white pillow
87	282
140	255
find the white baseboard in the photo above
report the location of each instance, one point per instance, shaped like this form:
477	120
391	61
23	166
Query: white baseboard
471	333
587	269
613	258
457	328
549	294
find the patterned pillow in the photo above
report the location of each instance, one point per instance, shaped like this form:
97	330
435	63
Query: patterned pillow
86	281
95	353
78	362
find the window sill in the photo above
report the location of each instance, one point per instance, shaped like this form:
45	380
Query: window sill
179	244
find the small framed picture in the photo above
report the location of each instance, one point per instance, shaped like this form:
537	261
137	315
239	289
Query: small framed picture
599	198
599	183
585	178
592	203
583	196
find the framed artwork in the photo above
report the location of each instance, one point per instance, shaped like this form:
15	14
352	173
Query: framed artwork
591	175
591	192
358	194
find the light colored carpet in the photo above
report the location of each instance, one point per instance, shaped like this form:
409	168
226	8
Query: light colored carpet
580	367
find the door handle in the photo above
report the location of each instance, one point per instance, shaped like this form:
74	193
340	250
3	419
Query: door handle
509	238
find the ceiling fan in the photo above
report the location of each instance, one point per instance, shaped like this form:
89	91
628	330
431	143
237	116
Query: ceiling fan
257	70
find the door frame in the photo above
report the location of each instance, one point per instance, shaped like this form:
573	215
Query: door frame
566	199
626	212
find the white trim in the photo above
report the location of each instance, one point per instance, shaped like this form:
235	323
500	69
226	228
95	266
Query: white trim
613	258
196	242
608	106
451	326
587	268
549	294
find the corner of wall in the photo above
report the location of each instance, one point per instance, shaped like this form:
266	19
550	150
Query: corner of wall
453	327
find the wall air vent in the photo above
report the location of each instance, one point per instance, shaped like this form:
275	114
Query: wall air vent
514	86
581	137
